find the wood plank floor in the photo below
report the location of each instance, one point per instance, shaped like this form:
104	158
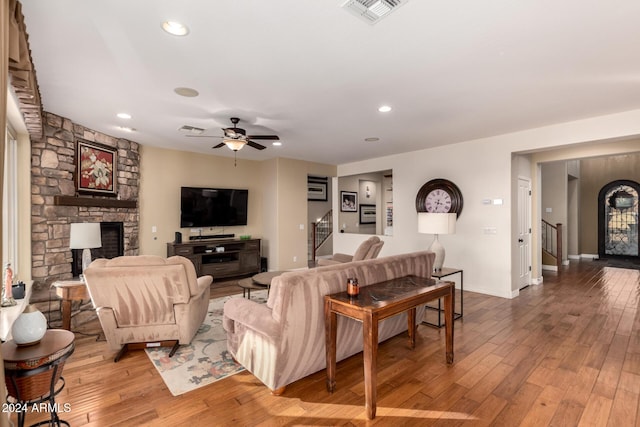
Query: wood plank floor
565	353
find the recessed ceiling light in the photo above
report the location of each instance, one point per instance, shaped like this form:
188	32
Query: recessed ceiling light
175	28
384	109
372	139
276	143
127	129
124	115
186	91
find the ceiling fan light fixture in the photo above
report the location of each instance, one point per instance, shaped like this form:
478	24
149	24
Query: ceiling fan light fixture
235	144
175	28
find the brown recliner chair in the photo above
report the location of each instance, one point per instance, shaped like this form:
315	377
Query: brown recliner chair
147	301
369	249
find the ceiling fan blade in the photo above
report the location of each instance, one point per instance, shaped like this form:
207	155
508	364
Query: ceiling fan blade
219	145
255	145
264	137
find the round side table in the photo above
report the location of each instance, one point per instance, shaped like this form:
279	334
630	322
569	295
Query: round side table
33	372
248	284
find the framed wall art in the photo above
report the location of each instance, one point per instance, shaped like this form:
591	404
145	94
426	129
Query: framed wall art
96	168
348	201
367	214
317	189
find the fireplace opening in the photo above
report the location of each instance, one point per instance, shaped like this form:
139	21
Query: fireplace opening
112	236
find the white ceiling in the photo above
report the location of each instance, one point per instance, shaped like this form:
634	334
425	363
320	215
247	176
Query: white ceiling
315	75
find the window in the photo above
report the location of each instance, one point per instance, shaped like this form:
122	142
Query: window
10	204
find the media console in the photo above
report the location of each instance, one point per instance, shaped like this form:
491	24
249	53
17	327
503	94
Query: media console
220	257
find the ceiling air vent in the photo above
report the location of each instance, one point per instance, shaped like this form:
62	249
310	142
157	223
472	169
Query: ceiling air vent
191	130
372	11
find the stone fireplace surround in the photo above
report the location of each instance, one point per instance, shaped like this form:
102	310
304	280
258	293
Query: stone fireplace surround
55	203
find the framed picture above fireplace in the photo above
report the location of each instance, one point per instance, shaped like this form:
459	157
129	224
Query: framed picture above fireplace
96	168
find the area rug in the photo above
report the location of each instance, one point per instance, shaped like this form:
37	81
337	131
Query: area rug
204	361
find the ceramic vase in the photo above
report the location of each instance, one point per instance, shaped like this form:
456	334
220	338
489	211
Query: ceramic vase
29	327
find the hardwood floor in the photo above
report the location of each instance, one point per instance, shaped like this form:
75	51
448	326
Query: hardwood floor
564	353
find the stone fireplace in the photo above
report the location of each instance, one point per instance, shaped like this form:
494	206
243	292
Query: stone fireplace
55	202
112	237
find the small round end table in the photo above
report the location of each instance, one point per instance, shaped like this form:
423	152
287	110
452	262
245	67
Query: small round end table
33	372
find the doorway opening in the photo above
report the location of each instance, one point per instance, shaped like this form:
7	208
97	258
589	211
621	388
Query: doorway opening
618	219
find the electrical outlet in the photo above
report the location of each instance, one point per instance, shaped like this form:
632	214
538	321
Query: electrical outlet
295	258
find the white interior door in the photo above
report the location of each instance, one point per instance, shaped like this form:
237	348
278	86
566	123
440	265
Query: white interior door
524	232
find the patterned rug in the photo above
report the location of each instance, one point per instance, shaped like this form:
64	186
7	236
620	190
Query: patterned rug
204	361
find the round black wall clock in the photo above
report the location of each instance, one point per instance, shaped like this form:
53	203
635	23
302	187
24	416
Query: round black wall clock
439	195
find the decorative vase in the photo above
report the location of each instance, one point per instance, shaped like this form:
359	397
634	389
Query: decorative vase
29	327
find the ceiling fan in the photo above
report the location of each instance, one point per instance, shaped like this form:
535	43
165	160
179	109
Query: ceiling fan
235	138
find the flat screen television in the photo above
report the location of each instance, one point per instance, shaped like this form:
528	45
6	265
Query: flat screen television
213	207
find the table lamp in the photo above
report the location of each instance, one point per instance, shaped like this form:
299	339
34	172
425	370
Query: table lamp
85	236
437	223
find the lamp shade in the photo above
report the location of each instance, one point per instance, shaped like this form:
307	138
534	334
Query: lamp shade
235	144
85	235
436	223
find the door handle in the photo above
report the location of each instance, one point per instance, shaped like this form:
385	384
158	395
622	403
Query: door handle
520	240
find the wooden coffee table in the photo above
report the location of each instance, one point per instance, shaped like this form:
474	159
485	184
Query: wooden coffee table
377	302
259	281
247	285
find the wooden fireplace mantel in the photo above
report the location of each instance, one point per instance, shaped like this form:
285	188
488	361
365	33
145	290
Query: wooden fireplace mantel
91	201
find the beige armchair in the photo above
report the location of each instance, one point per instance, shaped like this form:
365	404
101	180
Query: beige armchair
369	249
147	301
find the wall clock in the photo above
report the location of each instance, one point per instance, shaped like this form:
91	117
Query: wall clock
439	195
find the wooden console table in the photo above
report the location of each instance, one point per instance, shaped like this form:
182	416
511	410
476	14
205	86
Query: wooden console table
377	302
220	257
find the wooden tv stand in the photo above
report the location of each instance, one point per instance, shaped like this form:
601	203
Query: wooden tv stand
238	257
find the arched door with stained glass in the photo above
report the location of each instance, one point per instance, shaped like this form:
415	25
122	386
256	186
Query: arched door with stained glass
618	222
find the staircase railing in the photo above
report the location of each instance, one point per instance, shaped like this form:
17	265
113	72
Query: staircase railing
552	241
321	230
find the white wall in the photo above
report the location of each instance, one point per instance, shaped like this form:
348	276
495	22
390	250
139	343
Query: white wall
482	169
554	197
277	200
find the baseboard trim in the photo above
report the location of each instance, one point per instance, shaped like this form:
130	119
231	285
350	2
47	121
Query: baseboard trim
537	280
550	267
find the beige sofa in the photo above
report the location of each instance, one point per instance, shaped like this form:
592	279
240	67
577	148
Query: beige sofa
147	299
284	340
